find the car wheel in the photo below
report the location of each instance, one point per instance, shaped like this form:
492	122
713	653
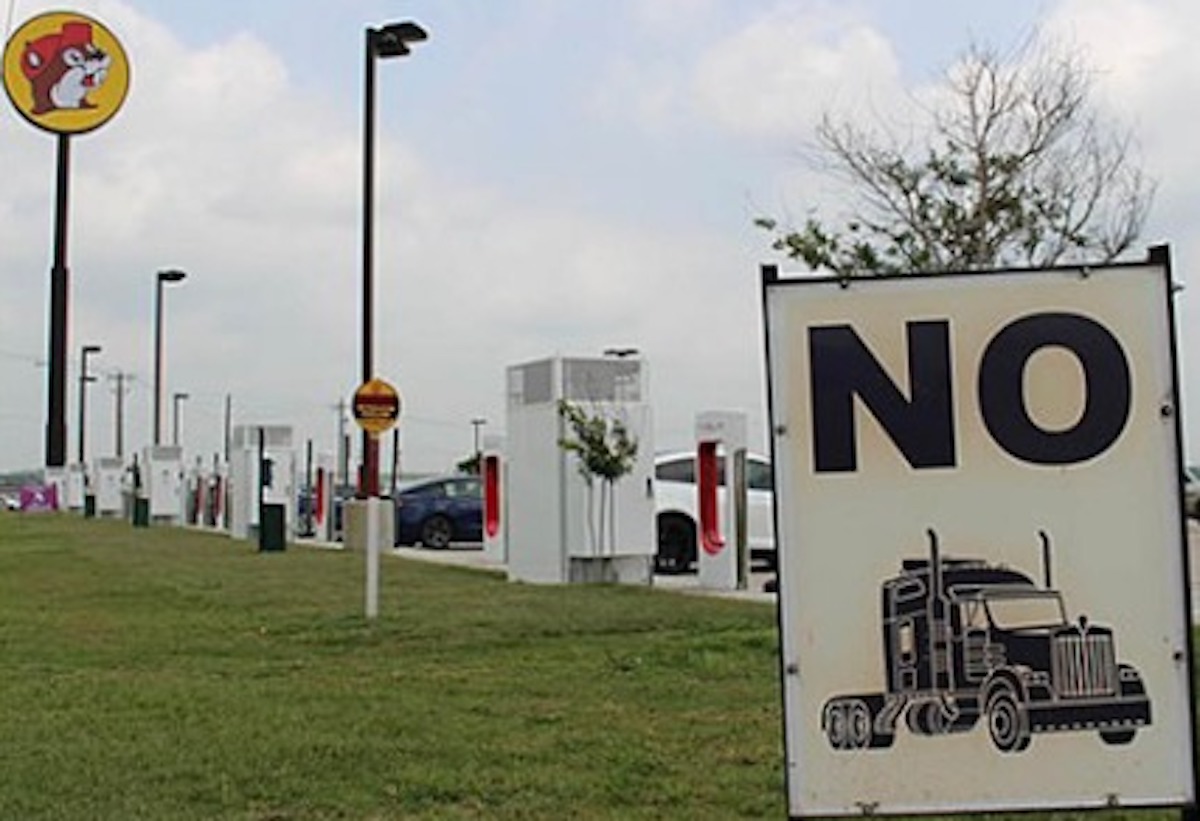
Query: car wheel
437	532
676	545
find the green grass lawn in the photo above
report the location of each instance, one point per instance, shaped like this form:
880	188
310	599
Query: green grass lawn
161	673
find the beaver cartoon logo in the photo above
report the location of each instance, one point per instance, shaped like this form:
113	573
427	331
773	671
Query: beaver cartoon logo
64	68
65	72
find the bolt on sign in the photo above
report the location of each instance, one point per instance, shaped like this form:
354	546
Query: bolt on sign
65	72
376	406
982	548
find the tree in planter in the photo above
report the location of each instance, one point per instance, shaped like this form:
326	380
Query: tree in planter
1015	168
606	451
470	465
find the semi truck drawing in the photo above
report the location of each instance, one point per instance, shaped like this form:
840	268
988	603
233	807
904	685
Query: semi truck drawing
964	639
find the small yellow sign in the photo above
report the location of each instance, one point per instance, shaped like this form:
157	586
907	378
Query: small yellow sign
65	72
376	406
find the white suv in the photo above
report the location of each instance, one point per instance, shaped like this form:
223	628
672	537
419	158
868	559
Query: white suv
675	509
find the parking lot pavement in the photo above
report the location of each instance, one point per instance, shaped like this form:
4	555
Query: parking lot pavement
463	555
690	583
471	555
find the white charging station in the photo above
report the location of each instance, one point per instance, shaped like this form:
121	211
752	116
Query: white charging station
56	478
553	517
492	467
321	497
110	473
76	485
253	447
210	494
721	504
162	477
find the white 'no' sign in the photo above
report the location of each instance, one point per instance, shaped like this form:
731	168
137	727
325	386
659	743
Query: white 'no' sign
981	542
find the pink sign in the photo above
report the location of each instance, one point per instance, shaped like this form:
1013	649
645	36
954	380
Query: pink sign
39	498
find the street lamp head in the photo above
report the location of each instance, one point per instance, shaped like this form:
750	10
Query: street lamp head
171	275
392	40
621	353
90	349
179	396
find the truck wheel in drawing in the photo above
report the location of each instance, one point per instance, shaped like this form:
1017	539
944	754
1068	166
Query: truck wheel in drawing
925	718
1117	736
1008	723
849	723
858	721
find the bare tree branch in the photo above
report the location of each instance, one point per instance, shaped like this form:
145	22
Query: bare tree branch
1016	169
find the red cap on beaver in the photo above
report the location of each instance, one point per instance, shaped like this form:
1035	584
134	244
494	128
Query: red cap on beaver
41	51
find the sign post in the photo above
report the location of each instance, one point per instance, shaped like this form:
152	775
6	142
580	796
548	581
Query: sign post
67	74
982	551
376	407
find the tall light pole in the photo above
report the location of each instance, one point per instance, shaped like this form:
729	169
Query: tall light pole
387	41
84	353
476	424
176	398
119	412
171	276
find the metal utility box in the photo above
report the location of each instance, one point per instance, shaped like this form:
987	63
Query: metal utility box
262	468
162	475
558	529
110	472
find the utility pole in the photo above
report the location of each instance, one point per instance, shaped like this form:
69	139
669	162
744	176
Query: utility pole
228	423
343	452
119	395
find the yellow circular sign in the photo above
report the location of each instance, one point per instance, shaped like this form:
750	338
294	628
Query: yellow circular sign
65	72
376	406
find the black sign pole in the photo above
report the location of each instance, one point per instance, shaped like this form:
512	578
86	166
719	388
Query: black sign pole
56	413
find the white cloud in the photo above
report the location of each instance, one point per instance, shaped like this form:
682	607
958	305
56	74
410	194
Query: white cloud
221	166
776	77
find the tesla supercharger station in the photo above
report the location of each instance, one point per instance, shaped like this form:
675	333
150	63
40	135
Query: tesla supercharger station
249	451
191	503
162	476
322	498
76	485
495	496
110	473
553	520
211	494
722	552
56	477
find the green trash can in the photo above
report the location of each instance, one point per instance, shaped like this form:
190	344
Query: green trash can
89	506
141	512
272	528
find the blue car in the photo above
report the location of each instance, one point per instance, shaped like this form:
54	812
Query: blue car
436	512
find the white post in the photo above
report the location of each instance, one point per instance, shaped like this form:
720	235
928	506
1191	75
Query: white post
372	555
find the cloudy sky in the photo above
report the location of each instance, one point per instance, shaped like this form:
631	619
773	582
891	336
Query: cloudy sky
554	177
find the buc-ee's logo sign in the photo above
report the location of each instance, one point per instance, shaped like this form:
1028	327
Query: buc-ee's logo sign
65	72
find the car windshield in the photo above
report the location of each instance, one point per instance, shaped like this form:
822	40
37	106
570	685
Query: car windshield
683	469
1024	612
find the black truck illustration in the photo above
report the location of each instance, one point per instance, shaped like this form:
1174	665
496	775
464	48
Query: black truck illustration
965	639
